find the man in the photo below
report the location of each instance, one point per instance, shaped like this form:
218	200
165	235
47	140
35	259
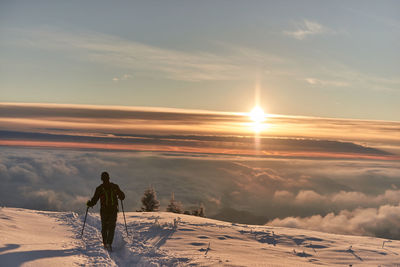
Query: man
108	193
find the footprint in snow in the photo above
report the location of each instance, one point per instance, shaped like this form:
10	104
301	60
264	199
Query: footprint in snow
198	244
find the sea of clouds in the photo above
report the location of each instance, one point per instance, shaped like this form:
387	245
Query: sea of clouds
340	196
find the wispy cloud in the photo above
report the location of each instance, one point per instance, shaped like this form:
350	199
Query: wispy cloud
337	74
122	78
307	28
228	62
318	82
231	63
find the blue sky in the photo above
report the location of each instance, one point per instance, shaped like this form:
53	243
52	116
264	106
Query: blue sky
314	58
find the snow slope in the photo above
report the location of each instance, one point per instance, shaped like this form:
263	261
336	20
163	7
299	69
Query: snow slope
38	238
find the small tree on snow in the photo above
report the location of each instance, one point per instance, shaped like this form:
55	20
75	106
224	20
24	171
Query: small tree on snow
200	211
174	206
149	200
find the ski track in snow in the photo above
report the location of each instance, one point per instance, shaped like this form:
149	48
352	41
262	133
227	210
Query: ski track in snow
134	250
167	239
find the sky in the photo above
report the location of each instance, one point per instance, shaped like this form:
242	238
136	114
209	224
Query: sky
158	93
313	58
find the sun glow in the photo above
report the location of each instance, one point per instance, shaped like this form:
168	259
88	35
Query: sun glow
257	114
258	117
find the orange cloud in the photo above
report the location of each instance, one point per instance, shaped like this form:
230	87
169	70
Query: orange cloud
160	129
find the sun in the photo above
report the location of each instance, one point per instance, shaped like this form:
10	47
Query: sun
257	114
259	117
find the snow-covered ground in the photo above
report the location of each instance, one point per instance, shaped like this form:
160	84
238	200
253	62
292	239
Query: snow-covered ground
39	238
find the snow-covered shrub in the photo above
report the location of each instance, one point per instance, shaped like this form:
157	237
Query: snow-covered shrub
176	222
149	200
200	211
174	206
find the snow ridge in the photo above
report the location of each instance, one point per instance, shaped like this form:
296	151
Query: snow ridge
40	238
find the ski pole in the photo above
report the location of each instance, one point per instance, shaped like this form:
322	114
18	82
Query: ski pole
84	222
123	212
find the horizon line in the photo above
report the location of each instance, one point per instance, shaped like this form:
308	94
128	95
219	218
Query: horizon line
177	110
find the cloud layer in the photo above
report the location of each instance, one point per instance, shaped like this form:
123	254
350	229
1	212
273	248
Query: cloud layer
123	128
221	62
285	192
382	222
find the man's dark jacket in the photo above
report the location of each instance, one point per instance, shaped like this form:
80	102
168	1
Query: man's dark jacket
108	193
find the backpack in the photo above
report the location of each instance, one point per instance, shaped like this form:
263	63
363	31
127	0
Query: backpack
109	196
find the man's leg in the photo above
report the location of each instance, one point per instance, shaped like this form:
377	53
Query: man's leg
104	227
111	226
